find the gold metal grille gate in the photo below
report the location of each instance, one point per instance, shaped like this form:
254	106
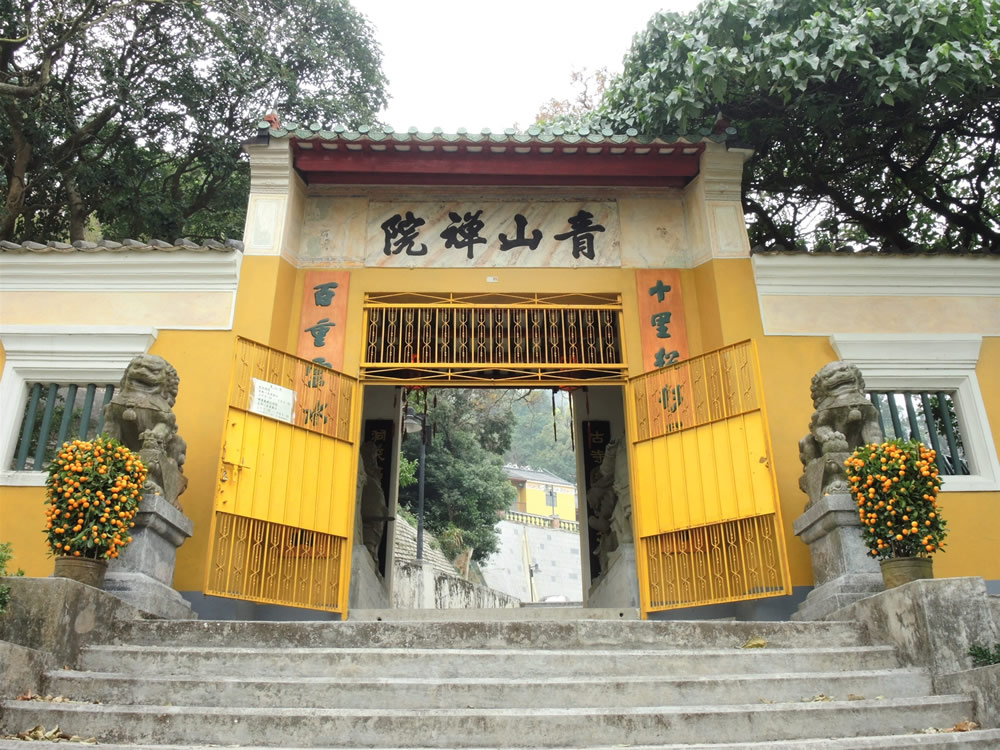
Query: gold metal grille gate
704	495
486	339
284	502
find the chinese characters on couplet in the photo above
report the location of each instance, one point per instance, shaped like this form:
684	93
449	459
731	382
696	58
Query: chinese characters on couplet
315	415
662	358
671	398
402	232
314	376
320	330
324	306
660	322
324	294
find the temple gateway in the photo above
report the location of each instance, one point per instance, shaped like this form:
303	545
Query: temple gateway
613	267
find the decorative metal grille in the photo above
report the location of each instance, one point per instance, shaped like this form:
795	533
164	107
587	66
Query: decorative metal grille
929	417
55	413
703	487
724	562
704	389
478	338
273	563
323	397
286	490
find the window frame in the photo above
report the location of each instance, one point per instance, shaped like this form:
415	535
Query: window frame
64	355
933	362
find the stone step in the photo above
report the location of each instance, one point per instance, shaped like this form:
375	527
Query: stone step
418	692
457	634
447	662
454	728
525	613
985	739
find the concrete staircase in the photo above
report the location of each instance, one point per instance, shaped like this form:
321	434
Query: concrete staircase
549	679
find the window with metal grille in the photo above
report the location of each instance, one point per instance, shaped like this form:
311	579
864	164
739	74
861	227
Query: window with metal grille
55	413
927	416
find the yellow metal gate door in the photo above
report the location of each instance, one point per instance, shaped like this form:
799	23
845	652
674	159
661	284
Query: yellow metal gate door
284	502
704	496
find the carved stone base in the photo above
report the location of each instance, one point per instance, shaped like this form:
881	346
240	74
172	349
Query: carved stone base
618	586
144	573
843	571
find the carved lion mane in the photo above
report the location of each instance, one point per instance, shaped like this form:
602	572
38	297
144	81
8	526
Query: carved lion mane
843	419
141	416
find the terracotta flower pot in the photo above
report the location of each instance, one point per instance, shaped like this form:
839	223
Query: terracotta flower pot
899	570
82	569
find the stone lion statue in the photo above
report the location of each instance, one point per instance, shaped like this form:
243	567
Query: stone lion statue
843	419
601	503
374	509
141	416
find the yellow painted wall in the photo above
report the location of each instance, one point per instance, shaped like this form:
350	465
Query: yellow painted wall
721	308
729	313
974	517
203	360
22	519
535	502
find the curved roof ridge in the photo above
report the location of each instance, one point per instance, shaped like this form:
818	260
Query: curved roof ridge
126	245
548	134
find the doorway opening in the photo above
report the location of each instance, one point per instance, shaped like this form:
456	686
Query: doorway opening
526	492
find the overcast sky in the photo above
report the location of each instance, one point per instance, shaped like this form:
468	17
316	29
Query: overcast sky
479	64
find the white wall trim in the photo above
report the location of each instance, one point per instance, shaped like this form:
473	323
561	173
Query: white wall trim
129	271
933	362
58	354
840	275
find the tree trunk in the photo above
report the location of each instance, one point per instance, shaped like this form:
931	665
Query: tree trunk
14	204
77	210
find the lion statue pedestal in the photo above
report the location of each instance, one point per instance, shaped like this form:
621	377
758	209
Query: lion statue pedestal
141	416
844	418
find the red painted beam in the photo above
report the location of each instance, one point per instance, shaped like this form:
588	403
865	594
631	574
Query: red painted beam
400	178
492	165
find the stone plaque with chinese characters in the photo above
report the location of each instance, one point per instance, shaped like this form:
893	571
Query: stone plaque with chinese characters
535	234
661	318
271	400
324	315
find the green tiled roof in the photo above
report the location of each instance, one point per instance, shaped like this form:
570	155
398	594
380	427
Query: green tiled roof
533	134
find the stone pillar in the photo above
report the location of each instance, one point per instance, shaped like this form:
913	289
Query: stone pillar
843	569
143	576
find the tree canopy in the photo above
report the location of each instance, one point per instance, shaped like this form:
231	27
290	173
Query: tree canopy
533	441
874	122
465	485
133	111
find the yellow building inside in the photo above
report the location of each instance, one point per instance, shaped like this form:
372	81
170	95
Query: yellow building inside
615	266
542	493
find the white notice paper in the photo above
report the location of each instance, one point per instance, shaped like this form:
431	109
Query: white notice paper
270	400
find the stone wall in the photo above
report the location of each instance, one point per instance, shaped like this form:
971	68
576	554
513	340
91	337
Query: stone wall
434	583
555	552
422	586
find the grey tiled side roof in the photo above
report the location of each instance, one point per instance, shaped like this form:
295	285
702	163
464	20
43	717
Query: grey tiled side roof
533	134
849	251
534	475
80	246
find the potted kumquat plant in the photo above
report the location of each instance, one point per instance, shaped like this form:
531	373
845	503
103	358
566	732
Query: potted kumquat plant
93	493
896	484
